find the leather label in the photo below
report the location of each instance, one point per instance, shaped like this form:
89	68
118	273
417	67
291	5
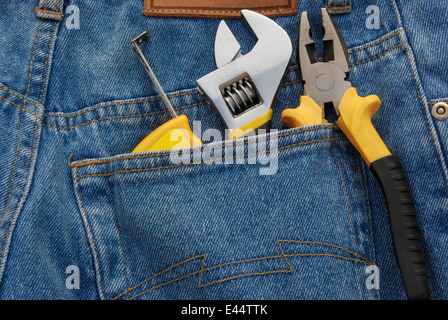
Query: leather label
217	8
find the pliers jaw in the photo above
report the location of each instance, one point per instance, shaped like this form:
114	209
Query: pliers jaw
325	80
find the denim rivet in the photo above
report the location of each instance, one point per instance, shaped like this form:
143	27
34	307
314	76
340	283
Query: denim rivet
440	111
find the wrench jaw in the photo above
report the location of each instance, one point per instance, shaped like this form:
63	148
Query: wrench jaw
227	47
243	87
325	80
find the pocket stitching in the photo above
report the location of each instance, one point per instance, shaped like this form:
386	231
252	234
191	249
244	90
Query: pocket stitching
202	162
205	148
358	258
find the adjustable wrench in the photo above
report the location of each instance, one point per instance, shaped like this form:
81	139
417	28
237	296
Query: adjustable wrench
243	87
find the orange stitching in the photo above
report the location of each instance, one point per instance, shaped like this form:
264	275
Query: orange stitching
213	11
377	42
18	144
434	102
15	94
37	122
379	55
36	10
159	273
205	148
291	82
46	64
330	245
111	104
207	161
339	8
35	130
90	232
283	255
116	117
23	109
117	104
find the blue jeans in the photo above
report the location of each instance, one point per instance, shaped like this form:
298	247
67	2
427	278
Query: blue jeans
83	218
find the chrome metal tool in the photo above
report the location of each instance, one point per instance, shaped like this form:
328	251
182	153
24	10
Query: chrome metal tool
244	86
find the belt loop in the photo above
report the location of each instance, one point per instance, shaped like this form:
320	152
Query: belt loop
339	6
50	9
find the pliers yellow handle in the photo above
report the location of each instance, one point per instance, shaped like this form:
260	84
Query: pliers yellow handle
326	82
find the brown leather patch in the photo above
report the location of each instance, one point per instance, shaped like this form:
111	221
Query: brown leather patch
218	8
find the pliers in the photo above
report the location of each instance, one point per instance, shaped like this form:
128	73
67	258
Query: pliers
326	83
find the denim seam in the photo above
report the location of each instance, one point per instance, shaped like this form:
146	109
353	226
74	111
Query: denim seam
432	130
91	237
350	216
25	100
213	160
378	55
44	79
386	37
235	143
120	232
434	101
50	13
21	108
28	176
422	97
36	10
20	126
37	120
129	116
369	214
214	11
2	257
117	104
358	258
120	117
339	8
3	87
190	164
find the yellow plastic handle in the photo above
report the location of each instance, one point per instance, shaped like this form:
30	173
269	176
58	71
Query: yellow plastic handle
174	134
260	122
306	114
355	121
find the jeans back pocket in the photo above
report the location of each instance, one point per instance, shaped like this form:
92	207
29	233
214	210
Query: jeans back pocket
179	227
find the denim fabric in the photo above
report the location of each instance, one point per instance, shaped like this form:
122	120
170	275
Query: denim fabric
75	102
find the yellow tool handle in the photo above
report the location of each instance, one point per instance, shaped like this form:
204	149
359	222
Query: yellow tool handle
262	122
355	121
306	114
174	134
